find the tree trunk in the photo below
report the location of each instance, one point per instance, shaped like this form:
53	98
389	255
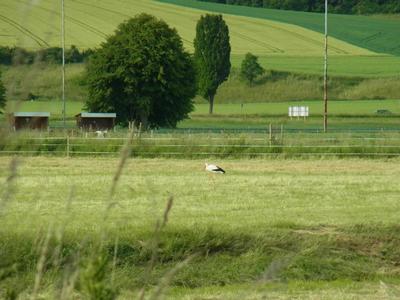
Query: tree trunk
143	121
211	100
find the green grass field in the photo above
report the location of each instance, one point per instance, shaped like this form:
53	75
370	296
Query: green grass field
287	228
357	108
344	115
98	227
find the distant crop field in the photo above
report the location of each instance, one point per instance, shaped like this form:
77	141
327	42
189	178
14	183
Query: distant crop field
281	42
378	34
37	24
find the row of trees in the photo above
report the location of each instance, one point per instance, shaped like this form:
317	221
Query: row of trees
21	56
143	73
335	6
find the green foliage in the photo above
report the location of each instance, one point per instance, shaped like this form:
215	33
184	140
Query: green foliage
2	95
143	74
338	6
250	68
94	280
52	55
212	55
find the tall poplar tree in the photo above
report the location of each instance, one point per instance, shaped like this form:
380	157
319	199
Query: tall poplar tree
212	55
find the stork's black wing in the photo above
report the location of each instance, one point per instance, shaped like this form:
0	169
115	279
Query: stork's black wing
219	169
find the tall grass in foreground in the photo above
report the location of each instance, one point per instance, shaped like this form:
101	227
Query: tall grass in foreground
85	269
49	254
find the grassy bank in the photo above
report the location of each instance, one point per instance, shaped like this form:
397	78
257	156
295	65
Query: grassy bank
285	86
265	221
44	81
345	66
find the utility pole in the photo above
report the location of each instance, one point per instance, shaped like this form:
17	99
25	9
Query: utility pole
326	70
63	59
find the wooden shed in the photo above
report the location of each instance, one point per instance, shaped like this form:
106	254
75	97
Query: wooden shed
96	121
30	120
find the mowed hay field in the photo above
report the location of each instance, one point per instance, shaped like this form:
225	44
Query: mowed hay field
281	44
253	194
288	228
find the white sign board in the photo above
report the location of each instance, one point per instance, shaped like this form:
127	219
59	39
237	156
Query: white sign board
298	111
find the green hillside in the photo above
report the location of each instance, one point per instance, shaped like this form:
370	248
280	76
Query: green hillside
376	34
280	45
26	24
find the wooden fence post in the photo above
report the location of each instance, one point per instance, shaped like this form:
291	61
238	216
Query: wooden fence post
140	130
270	134
67	145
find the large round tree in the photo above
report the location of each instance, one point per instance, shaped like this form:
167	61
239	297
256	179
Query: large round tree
143	74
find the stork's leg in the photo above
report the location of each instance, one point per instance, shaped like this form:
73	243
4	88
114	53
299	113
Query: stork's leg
211	180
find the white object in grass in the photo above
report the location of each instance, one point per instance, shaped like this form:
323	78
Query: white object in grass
214	169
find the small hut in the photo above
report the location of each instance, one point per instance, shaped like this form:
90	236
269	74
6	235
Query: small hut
96	121
30	120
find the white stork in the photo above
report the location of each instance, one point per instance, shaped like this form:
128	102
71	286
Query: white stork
214	169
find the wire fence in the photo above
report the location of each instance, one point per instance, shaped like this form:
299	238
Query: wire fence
192	146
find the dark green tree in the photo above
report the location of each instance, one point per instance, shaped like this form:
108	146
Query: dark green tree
212	55
2	96
143	74
250	68
72	55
